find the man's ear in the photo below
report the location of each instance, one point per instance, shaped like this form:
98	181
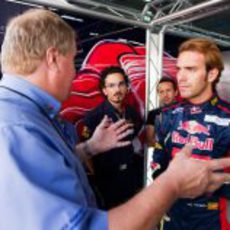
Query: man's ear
212	74
176	92
104	91
52	57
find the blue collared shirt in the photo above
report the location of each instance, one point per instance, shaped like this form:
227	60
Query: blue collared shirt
43	185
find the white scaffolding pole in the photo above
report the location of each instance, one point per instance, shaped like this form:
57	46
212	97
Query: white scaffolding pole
154	63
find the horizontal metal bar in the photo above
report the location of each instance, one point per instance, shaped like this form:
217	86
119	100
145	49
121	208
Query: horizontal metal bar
62	4
187	12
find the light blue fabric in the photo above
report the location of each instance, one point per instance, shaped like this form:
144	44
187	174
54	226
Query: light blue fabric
42	183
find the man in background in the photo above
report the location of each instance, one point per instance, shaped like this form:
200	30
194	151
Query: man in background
116	177
167	91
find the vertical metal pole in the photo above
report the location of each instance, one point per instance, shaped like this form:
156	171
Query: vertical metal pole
154	53
161	51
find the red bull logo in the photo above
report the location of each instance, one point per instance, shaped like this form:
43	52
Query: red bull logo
202	145
193	127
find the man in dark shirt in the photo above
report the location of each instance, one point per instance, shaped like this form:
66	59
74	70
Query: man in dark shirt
116	178
167	90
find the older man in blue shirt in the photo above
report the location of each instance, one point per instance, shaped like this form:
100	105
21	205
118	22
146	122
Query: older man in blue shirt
43	185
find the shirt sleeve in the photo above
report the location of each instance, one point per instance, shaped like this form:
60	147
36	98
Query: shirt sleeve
160	159
152	116
224	191
39	189
138	122
225	144
90	123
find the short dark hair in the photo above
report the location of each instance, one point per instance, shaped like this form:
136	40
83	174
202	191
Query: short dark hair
168	79
110	70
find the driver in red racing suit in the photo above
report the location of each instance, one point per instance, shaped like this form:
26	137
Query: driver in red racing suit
203	120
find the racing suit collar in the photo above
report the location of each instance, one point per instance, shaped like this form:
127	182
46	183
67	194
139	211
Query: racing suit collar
204	106
211	100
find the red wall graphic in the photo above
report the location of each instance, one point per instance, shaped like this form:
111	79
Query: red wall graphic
85	93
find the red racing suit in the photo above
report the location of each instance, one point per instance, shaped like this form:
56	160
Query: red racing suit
207	126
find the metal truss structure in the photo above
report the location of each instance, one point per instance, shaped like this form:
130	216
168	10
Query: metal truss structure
180	16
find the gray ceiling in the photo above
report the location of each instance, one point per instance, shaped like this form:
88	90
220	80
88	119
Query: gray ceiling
181	17
184	17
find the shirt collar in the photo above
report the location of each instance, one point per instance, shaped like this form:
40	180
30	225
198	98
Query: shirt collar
112	110
212	101
47	102
110	107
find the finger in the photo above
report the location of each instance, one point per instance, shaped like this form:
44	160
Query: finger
218	164
186	150
125	134
123	143
217	180
125	128
122	123
104	122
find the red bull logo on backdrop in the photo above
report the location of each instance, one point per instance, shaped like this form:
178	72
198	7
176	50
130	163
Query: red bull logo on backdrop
201	145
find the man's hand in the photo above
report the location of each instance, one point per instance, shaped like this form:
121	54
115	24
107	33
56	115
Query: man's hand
109	135
192	177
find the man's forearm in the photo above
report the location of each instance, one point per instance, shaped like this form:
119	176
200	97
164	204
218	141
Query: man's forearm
146	209
85	150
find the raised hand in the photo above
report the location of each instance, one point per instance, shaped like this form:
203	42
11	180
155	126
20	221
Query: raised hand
194	177
109	135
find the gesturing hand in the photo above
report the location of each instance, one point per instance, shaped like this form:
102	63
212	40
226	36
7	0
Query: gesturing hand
193	177
109	135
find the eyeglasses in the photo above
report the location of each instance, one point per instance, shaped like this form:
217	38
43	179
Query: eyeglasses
121	84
